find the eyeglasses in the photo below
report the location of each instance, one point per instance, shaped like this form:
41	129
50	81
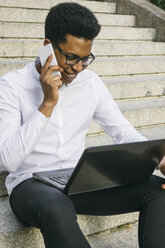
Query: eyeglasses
72	60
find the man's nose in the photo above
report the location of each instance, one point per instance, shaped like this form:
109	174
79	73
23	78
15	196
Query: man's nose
78	67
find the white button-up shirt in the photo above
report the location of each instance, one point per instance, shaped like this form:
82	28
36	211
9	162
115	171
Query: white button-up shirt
30	142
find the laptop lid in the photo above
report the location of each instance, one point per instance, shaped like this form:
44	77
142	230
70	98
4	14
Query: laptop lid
113	165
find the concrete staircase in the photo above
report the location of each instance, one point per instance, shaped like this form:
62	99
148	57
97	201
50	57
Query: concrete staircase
132	66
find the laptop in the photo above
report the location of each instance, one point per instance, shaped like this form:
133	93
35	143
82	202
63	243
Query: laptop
107	166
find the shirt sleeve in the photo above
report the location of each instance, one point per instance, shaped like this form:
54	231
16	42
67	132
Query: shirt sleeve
16	140
109	116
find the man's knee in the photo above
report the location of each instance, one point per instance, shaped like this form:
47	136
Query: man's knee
152	191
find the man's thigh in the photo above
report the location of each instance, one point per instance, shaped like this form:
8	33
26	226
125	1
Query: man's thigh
31	196
118	200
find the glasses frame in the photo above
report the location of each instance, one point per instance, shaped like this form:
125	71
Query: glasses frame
78	58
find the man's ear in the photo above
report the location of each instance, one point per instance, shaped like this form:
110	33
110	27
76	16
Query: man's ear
46	41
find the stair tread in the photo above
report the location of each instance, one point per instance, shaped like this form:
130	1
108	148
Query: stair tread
131	58
8	222
109	59
136	86
157	132
125	236
144	103
134	79
42	4
22	15
113	66
13	48
128	65
36	30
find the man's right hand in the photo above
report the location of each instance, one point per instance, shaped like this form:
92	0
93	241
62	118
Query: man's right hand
50	86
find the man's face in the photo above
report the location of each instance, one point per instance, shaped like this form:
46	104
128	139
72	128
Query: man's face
72	47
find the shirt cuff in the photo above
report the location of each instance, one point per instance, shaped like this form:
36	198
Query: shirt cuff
39	119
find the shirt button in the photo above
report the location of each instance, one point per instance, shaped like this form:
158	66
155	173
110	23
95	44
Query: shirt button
59	150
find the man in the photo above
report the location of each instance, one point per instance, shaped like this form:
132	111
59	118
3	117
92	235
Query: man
43	125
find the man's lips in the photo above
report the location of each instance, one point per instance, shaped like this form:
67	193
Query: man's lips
68	75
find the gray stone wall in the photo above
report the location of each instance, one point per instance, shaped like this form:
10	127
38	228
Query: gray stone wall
147	15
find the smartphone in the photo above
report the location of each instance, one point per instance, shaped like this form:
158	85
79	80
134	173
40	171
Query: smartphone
44	52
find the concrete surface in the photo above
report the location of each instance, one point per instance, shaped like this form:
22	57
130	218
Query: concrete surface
36	30
126	236
113	66
39	15
96	6
29	48
147	15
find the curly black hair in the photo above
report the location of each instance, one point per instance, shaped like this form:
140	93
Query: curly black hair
70	18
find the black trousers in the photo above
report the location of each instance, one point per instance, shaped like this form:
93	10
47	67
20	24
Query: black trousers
45	207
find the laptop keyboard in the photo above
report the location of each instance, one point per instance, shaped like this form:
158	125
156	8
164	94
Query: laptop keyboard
62	179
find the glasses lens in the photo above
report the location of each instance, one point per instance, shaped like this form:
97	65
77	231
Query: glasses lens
88	60
72	60
85	61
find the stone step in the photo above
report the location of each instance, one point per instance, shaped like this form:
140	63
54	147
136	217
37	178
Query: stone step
3	175
127	236
95	6
137	86
155	132
36	30
116	20
114	66
12	231
152	108
151	132
6	66
13	48
126	33
130	65
38	16
123	236
128	48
